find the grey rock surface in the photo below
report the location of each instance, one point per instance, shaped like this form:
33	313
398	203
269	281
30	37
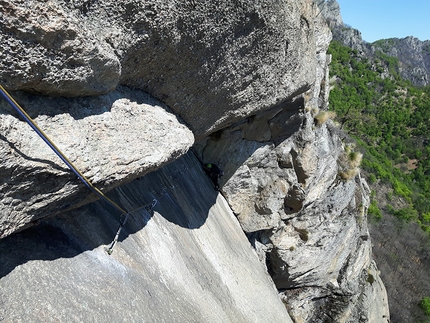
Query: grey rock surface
248	79
187	261
308	224
330	9
51	50
213	63
111	139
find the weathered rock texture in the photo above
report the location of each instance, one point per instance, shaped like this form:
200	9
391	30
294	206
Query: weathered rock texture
183	52
111	139
47	48
282	180
308	223
330	10
189	261
213	63
248	78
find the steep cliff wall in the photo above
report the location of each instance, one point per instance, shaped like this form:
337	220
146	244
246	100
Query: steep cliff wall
342	32
212	64
250	83
308	223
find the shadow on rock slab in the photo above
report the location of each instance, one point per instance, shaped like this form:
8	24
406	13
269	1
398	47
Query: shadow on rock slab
184	197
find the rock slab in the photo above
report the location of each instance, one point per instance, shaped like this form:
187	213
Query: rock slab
187	261
111	139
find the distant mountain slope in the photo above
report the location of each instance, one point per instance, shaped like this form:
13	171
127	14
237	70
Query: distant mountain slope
412	53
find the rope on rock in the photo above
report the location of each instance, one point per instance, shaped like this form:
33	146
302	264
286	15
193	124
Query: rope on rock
124	214
49	142
124	217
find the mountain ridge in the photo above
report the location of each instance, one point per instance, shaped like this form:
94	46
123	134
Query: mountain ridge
413	54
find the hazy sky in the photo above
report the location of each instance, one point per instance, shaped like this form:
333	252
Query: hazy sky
378	19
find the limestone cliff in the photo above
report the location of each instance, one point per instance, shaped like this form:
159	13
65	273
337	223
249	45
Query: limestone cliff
244	85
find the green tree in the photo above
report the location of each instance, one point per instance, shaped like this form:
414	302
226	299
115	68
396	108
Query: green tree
425	305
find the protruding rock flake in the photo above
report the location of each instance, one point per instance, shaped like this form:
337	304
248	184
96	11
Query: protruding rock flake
111	139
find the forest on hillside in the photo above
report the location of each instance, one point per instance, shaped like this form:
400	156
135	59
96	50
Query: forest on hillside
388	117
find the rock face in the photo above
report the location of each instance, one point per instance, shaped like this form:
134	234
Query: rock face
185	53
111	139
347	35
308	224
330	10
413	55
46	48
250	81
188	261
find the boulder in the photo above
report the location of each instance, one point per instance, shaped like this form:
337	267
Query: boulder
111	139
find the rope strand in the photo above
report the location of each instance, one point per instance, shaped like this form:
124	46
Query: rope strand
124	214
57	151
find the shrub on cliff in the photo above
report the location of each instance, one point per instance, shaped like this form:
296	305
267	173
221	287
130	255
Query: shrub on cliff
388	116
425	305
323	117
349	163
374	211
